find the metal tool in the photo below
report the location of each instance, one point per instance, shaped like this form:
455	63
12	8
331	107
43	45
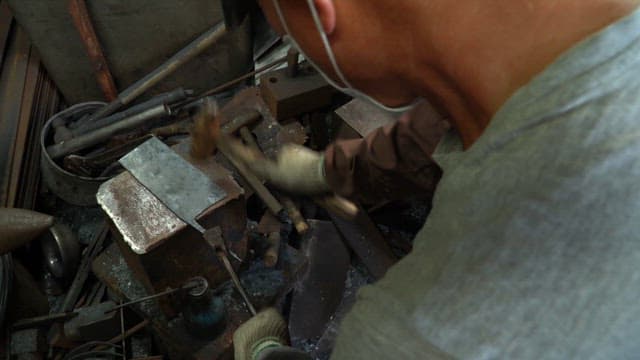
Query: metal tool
214	238
45	320
166	98
207	135
183	189
195	283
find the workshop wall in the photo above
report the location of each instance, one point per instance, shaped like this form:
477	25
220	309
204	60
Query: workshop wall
136	37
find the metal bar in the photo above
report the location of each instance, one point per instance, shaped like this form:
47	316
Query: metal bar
167	98
122	333
42	320
85	141
292	62
236	81
155	296
83	271
236	281
24	124
167	68
214	238
82	21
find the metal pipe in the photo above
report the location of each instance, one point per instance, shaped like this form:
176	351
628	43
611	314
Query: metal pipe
231	83
82	142
166	98
82	21
167	68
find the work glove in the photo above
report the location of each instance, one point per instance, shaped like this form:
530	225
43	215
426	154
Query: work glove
296	169
264	331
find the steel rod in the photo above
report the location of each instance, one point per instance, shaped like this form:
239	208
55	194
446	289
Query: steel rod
82	21
167	98
85	141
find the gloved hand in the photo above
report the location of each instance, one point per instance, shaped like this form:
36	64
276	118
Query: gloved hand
264	331
296	169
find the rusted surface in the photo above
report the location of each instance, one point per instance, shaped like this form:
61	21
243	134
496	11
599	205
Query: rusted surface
288	96
141	219
144	222
319	293
362	117
82	21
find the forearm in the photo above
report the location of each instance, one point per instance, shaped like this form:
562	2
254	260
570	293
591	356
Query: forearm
390	163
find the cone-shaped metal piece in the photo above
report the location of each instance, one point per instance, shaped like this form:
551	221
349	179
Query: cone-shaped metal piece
19	226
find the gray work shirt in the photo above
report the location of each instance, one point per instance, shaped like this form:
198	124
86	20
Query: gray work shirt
532	250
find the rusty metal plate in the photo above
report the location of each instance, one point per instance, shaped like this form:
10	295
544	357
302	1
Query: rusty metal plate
182	188
288	97
364	117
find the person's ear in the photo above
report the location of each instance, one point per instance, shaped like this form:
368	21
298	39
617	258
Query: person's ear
327	11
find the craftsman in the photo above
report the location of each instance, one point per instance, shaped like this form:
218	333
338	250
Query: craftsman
532	248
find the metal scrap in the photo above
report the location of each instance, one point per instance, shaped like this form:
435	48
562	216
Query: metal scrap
288	96
364	238
319	293
180	186
360	118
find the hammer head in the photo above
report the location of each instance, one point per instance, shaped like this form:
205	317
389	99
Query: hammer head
206	130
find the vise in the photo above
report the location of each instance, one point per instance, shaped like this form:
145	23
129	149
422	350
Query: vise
163	251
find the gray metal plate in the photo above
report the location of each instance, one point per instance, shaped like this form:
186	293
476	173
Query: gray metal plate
182	188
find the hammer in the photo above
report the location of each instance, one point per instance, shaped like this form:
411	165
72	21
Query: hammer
207	136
